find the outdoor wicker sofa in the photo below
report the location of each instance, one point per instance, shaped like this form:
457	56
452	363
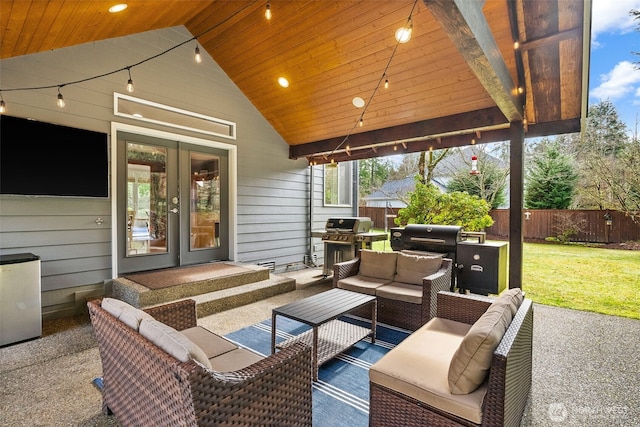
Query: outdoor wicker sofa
144	385
404	283
469	366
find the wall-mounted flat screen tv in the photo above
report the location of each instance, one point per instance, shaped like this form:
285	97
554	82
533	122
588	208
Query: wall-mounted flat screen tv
43	159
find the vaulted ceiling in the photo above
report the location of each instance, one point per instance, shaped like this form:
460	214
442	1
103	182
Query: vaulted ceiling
459	80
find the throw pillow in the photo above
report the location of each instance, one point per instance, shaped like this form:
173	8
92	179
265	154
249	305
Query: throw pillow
173	342
378	264
471	362
412	268
514	298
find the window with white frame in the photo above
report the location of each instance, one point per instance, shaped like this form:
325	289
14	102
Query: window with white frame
337	184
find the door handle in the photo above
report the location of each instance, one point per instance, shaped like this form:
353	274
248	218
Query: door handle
174	210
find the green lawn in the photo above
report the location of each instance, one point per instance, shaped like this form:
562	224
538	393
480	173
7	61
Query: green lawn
604	281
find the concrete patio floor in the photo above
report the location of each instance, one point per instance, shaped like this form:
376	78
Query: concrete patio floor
586	369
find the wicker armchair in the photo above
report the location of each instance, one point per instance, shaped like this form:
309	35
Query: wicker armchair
396	311
508	383
144	385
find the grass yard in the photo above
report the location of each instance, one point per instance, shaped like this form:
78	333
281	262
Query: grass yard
603	281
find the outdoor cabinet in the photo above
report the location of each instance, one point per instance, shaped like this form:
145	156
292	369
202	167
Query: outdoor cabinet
482	267
20	301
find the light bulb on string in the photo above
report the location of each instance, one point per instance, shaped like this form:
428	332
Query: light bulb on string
403	34
130	81
386	82
60	100
267	12
3	106
197	57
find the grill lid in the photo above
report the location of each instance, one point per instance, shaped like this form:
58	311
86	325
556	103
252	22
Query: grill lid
359	224
427	237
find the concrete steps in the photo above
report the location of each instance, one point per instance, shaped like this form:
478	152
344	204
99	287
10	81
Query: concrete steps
211	295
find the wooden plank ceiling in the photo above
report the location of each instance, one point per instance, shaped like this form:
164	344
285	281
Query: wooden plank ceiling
454	83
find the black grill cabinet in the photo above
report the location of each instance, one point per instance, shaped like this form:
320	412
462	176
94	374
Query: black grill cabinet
482	267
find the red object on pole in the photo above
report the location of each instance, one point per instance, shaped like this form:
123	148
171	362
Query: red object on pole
474	165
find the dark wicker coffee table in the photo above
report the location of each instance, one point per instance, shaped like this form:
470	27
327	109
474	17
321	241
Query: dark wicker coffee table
328	336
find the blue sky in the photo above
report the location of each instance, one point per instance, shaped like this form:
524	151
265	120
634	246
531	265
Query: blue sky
614	36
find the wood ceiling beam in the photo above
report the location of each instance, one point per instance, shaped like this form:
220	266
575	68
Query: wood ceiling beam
438	143
459	123
466	26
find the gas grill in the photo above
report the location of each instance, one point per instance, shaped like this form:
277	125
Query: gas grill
344	237
479	267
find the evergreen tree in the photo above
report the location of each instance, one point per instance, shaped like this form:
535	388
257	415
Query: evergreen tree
551	178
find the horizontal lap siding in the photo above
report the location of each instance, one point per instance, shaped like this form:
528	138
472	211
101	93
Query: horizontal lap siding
74	250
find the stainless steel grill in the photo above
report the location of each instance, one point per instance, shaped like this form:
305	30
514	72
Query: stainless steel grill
344	237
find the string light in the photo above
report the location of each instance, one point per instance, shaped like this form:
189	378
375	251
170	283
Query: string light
403	34
408	30
197	57
60	101
130	82
267	12
3	107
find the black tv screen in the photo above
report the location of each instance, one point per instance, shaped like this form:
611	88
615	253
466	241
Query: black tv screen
43	159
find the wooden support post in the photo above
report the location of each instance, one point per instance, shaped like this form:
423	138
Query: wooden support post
516	157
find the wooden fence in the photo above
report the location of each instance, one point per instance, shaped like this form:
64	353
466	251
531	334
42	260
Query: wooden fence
591	225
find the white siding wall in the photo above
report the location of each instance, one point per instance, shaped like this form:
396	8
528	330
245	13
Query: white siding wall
272	195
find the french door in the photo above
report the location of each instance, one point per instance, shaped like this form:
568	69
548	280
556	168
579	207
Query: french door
172	203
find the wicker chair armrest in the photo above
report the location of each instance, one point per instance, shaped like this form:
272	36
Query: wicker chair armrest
345	269
434	283
276	390
179	315
466	308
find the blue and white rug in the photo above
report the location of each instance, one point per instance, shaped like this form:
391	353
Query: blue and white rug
341	394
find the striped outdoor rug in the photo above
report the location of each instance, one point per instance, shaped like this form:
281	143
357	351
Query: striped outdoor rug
341	394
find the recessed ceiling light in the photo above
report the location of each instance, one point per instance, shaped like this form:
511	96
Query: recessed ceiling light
118	8
358	102
283	82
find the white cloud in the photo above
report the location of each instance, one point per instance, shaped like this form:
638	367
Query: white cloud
612	16
618	83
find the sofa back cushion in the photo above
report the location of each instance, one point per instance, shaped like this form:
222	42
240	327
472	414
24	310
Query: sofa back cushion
126	313
381	265
471	362
173	342
412	268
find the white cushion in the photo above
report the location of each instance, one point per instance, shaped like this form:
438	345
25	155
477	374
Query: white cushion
413	268
173	342
126	313
381	265
417	367
363	284
472	360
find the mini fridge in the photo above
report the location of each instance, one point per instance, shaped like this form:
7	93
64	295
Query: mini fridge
20	301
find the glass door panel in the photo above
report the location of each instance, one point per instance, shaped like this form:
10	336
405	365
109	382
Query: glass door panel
204	203
146	199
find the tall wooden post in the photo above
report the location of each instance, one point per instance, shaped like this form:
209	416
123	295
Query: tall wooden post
516	158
